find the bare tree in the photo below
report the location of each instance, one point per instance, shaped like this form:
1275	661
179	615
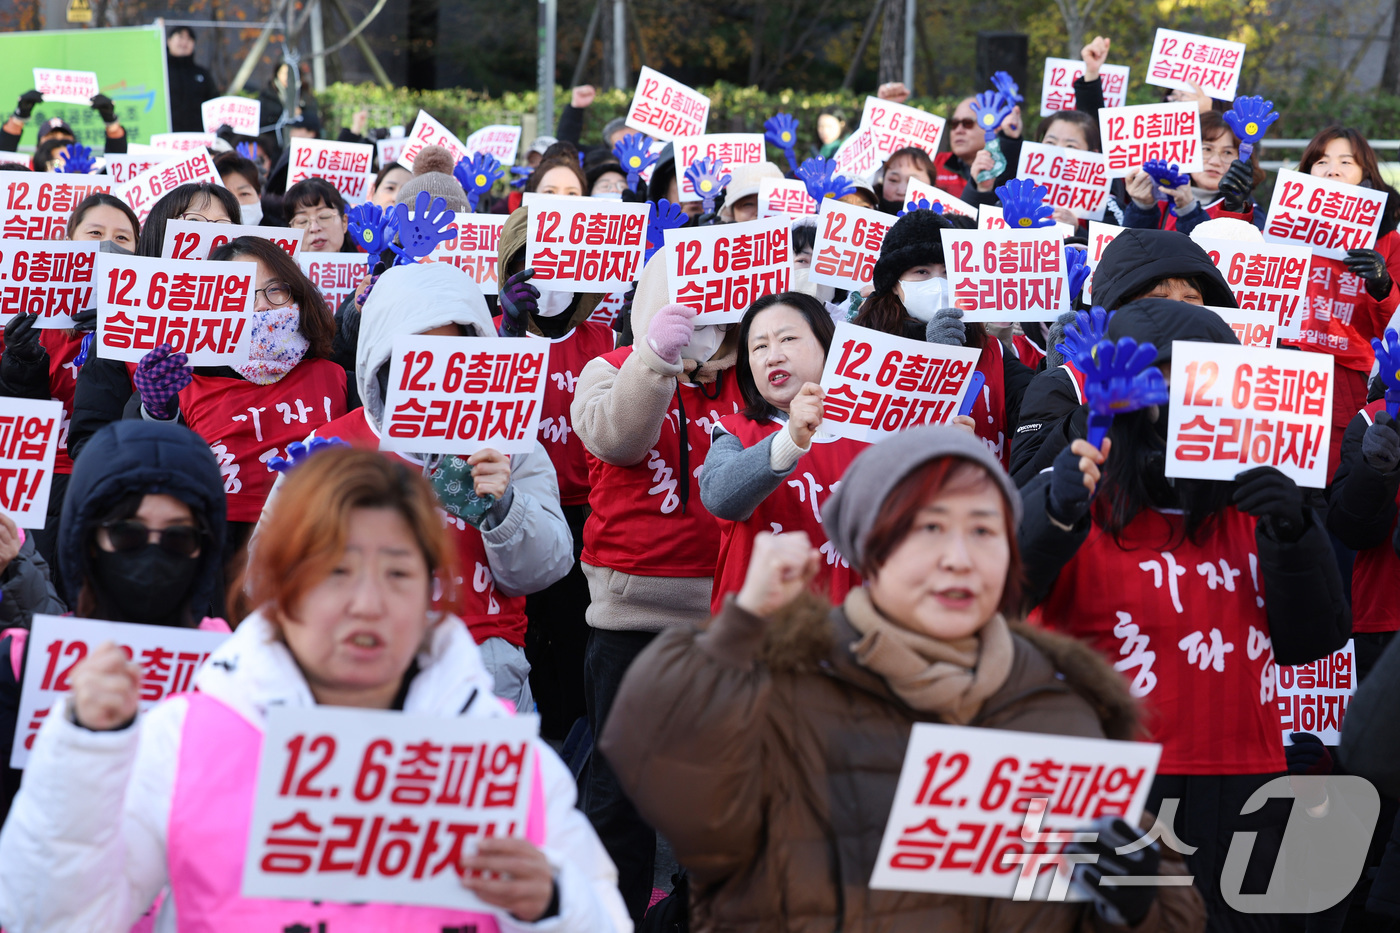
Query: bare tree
892	42
1076	14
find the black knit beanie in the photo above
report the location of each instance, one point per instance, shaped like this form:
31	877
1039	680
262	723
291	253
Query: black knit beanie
914	240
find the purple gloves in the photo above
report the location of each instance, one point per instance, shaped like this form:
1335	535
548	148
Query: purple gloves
159	377
670	331
519	299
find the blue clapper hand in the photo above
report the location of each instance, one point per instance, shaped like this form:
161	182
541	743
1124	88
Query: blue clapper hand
974	389
781	130
1076	270
297	452
1008	88
248	151
1249	120
520	174
477	175
1023	205
1165	174
819	175
708	177
663	216
633	152
1085	333
372	228
420	234
79	160
1119	378
920	204
1388	357
990	108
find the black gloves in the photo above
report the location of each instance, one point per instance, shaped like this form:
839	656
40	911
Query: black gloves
22	338
636	197
1123	906
1069	497
1370	265
1381	445
27	101
1272	498
623	322
105	108
85	321
706	220
1237	184
1307	755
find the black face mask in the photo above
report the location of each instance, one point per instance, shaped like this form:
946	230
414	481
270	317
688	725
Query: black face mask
148	585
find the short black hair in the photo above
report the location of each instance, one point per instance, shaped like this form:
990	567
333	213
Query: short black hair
756	407
179	29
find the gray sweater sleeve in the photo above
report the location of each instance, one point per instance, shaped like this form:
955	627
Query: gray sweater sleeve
736	480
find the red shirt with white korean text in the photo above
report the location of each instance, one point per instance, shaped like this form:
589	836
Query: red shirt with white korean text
1185	624
63	381
246	424
638	525
488	614
990	410
1375	577
794	506
567	357
1341	317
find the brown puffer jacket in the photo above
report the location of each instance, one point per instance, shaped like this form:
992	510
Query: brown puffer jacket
769	758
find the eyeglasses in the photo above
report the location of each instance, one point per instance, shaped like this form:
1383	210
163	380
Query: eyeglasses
276	294
963	123
324	218
190	215
179	540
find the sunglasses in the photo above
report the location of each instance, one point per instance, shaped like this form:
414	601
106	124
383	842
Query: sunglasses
964	123
179	540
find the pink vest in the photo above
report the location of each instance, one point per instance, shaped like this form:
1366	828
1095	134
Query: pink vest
207	840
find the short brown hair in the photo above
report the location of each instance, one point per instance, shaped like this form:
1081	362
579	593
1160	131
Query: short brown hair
308	524
317	321
102	199
537	175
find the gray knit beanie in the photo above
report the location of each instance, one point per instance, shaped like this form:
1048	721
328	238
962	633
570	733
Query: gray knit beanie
432	172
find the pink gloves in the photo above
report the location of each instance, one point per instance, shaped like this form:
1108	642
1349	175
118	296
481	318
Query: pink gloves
670	331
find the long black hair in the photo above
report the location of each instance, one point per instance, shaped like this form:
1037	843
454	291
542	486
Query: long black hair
188	197
756	407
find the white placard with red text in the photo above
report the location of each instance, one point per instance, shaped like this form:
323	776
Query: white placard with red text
848	244
1007	275
191	239
1078	180
347	166
242	114
199	308
143	191
1253	328
1265	277
335	275
52	279
123	167
721	270
29	435
1133	135
730	148
389	150
961	804
1233	409
585	244
497	140
665	109
784	197
1328	216
475	250
458	395
168	657
381	807
66	87
1057	89
37	205
1314	697
427	131
1181	59
1100	235
607	310
934	196
896	126
878	384
183	142
859	157
990	217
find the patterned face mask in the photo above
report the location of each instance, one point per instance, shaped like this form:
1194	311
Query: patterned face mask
277	345
452	481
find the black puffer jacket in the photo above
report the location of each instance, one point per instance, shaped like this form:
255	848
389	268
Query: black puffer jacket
1138	258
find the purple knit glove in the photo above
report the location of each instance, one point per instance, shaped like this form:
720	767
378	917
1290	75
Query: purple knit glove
670	331
159	377
519	299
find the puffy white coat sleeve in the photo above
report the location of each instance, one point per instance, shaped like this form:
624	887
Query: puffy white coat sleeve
83	849
532	547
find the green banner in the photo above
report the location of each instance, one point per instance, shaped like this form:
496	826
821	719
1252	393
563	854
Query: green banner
130	66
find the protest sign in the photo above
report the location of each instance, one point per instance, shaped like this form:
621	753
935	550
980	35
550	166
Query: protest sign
1253	328
1181	59
935	196
965	794
665	109
585	244
1077	179
1007	275
878	384
349	167
390	801
721	270
458	395
1265	277
191	239
429	132
66	87
475	249
1100	235
183	142
124	167
52	279
38	204
895	126
169	657
497	140
607	310
732	149
1133	135
1236	408
29	432
1057	88
335	275
989	217
242	114
198	308
784	197
143	191
390	150
1314	697
1329	216
848	244
858	156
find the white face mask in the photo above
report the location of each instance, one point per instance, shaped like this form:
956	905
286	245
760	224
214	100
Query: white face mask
553	304
802	282
925	299
608	195
251	213
703	343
